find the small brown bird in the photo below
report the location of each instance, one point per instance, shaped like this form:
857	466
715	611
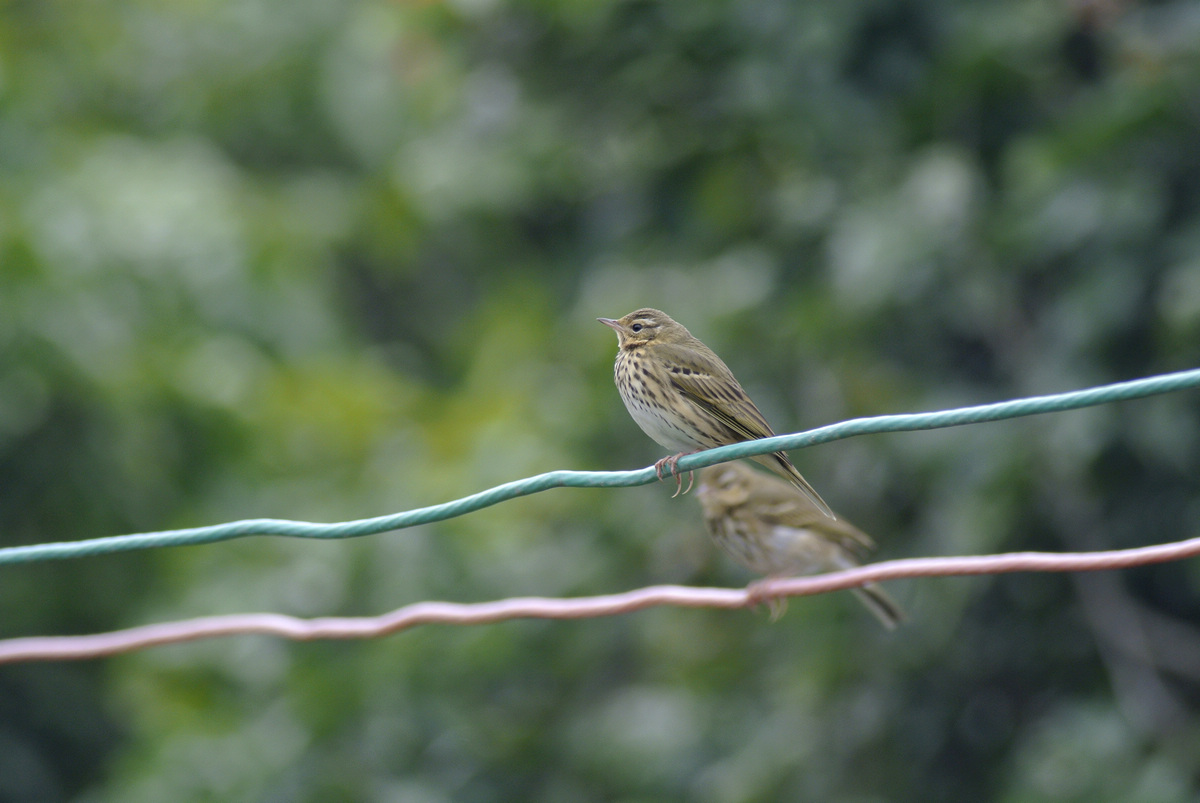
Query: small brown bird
769	528
684	397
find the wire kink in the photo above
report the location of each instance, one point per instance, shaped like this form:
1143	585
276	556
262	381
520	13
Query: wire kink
1121	391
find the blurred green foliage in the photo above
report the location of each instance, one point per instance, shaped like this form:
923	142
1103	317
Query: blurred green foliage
328	260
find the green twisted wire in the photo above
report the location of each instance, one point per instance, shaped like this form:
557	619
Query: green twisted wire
1121	391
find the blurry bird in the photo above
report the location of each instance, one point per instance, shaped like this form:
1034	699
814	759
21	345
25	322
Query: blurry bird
766	526
684	397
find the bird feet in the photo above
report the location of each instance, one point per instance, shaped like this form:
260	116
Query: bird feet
672	464
758	594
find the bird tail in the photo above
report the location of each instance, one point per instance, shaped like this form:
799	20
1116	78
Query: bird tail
779	463
881	604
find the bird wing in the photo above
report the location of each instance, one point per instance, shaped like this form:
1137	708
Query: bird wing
797	511
709	384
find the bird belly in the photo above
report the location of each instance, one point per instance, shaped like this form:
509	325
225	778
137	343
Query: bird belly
799	550
661	429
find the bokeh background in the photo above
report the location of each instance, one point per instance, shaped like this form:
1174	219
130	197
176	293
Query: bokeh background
327	260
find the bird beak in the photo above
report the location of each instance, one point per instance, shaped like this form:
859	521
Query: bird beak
610	323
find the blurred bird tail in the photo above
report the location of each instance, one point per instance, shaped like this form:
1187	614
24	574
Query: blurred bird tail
881	604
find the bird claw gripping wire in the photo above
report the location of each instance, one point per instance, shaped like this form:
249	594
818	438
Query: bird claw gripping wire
672	464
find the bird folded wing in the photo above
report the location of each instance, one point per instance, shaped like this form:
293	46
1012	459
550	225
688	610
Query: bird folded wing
710	386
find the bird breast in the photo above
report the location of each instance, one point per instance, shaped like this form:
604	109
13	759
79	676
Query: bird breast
653	405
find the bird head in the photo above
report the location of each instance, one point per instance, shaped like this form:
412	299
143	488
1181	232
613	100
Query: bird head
642	326
724	486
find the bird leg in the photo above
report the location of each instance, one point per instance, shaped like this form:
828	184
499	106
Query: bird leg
672	464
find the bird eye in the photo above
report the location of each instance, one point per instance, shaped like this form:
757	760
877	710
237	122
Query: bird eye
637	327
